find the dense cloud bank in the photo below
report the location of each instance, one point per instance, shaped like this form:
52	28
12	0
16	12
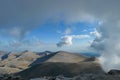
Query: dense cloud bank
18	18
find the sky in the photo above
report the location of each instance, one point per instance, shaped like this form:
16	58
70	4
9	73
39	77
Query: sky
45	25
53	25
49	36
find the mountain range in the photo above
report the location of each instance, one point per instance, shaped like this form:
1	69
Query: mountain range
28	64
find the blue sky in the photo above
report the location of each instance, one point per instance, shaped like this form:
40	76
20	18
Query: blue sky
51	32
46	25
46	36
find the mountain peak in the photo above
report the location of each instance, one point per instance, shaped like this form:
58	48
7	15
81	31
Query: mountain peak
60	56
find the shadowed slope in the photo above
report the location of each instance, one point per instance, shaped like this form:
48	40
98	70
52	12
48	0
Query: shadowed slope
42	59
59	68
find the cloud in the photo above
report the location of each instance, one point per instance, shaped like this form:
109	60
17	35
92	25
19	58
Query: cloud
33	44
80	36
29	13
15	32
67	40
67	31
95	33
108	44
26	15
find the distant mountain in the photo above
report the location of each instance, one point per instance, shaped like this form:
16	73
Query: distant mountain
1	54
90	54
28	56
18	61
45	53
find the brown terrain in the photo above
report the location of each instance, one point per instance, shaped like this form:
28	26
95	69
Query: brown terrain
48	65
61	63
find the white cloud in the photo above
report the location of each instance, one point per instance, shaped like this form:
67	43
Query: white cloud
67	40
108	44
80	36
95	33
67	31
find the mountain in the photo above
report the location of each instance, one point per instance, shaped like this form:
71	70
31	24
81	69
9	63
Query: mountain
66	57
61	63
60	56
18	61
2	53
45	53
28	56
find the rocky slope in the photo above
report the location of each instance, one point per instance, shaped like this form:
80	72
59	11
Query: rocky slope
14	62
85	76
61	63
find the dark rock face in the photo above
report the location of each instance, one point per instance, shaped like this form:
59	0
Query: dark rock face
42	59
114	72
83	76
10	77
5	56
